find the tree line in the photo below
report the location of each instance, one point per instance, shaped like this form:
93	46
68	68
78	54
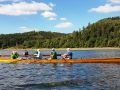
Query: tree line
103	33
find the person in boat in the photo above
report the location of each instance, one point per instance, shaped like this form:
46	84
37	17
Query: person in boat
26	53
14	55
38	55
53	54
67	55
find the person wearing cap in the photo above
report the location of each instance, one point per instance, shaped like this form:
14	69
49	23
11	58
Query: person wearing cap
14	55
53	54
67	55
38	54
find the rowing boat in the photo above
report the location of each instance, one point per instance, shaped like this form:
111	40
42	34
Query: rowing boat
71	61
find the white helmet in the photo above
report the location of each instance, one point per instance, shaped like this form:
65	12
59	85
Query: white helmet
68	49
13	52
53	49
38	49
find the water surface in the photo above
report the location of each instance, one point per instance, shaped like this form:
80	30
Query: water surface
62	76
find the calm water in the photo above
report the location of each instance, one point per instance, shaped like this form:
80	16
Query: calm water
62	76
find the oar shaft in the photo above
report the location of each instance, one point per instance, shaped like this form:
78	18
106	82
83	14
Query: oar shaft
6	55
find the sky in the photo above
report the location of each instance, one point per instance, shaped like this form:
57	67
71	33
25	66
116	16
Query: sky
65	16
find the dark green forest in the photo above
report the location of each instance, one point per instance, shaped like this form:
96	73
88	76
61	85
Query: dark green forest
103	33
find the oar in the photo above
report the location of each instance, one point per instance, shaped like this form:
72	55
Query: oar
6	55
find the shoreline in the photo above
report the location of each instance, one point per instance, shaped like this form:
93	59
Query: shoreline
104	48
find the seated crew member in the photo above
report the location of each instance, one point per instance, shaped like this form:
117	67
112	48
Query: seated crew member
67	55
26	53
38	55
14	55
53	54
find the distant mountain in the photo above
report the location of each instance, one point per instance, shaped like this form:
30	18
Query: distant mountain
103	33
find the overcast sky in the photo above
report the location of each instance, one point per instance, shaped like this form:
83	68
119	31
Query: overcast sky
63	16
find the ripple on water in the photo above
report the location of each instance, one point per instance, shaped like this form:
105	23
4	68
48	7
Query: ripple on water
77	76
62	76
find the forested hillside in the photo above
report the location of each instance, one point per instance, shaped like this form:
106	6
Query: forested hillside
27	40
104	33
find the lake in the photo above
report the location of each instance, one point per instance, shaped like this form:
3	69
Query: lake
88	76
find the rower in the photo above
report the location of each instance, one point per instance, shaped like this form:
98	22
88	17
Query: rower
14	55
38	55
26	53
67	55
53	54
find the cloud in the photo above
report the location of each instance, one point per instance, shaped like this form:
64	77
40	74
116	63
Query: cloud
9	0
27	29
115	1
63	19
64	25
107	8
52	18
49	15
51	4
23	8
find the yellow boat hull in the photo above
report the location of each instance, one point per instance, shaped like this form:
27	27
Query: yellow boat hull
87	60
